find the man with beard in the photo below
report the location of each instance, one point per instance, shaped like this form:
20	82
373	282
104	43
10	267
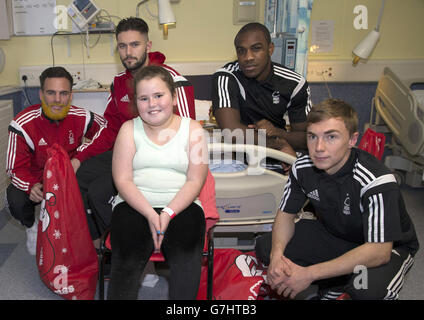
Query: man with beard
32	132
93	162
254	92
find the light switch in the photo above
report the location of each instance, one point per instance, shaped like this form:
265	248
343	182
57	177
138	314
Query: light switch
245	11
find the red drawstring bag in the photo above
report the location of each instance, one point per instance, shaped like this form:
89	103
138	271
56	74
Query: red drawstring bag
373	142
66	258
236	276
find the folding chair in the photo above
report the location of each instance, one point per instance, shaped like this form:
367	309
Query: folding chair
106	250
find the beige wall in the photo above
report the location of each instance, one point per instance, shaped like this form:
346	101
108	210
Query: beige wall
205	32
401	30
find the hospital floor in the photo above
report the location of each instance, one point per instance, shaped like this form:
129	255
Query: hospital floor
19	279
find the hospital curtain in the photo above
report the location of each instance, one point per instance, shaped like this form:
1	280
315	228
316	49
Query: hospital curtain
293	16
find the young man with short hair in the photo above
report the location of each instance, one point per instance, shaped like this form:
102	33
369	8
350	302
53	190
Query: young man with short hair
362	227
254	92
32	132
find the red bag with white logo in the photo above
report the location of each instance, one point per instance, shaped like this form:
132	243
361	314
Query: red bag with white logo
66	258
373	142
236	276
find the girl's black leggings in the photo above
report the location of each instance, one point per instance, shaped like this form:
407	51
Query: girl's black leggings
132	246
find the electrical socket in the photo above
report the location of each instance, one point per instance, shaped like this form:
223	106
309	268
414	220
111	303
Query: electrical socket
322	72
28	78
328	72
33	73
101	72
77	76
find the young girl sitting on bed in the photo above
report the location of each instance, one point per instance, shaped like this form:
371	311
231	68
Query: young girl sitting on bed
159	165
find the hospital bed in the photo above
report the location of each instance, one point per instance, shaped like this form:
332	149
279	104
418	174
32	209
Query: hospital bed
399	110
247	200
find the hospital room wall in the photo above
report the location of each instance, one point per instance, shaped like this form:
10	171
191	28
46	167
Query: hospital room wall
205	32
401	28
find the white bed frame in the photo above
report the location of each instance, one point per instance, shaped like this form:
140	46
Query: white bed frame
397	110
248	200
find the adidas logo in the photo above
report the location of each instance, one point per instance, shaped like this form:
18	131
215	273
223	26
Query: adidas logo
314	195
42	142
125	98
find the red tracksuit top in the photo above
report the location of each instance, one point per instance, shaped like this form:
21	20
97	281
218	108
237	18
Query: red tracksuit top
31	134
118	109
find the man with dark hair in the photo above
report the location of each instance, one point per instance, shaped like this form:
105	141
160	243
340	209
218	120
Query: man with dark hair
32	132
254	92
134	48
363	240
95	175
55	72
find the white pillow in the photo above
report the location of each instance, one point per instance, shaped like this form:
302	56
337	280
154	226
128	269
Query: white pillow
420	96
202	109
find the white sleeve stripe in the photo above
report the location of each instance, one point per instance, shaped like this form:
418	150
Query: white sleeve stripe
366	173
220	93
224	99
185	102
179	105
361	178
179	78
20	184
397	282
100	120
182	103
287	72
370	220
286	195
171	71
380	200
242	91
306	165
387	178
285	76
11	153
88	115
23	119
296	90
376	218
302	162
362	175
85	145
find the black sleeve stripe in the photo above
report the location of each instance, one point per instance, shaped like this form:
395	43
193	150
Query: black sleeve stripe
90	123
14	130
185	83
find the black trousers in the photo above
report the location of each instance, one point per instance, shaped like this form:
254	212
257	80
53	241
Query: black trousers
20	206
97	188
23	209
132	246
312	244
